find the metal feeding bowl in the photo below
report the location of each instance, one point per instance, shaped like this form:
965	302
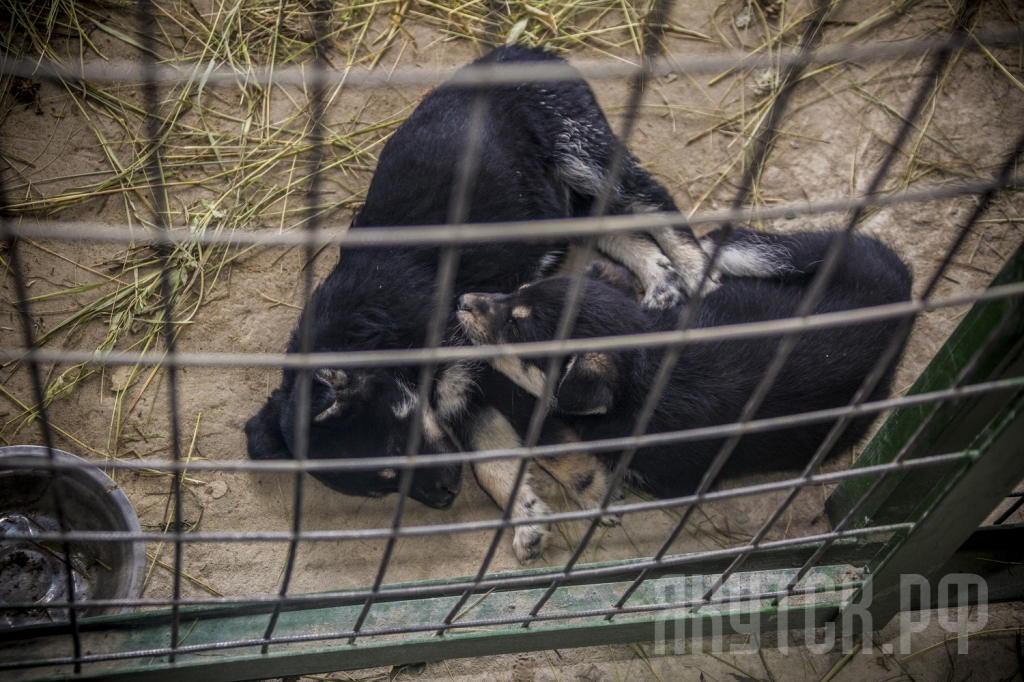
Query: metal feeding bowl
36	572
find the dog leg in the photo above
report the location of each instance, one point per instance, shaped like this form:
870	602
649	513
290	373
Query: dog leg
585	479
583	475
662	284
492	431
688	258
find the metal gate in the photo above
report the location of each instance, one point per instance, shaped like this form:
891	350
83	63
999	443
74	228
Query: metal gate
915	501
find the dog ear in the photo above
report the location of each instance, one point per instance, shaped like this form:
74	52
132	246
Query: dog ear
263	431
321	396
586	385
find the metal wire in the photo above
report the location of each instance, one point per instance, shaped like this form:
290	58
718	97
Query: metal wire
168	74
534	230
449	238
908	447
458	213
1011	511
889	356
604	445
419	356
464	527
464	624
304	379
815	290
686	318
154	178
35	372
570	307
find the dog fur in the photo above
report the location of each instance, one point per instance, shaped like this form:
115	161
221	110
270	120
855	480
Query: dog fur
545	153
600	394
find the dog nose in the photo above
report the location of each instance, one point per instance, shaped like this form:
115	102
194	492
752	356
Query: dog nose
446	499
448	490
474	303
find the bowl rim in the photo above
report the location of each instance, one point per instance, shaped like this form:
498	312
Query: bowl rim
114	493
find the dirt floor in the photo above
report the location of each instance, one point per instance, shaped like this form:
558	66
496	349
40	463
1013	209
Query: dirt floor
693	135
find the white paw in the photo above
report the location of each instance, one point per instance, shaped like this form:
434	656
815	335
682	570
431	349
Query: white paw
530	540
664	294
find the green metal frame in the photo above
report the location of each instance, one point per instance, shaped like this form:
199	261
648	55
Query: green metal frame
940	512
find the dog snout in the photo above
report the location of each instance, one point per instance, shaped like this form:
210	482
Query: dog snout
474	303
437	488
446	497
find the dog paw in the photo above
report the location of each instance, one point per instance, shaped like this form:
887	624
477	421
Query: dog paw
666	289
530	540
663	295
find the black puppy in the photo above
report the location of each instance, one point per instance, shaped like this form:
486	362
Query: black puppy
546	150
600	395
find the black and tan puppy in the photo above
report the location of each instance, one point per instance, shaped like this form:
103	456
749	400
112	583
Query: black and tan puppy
599	395
546	150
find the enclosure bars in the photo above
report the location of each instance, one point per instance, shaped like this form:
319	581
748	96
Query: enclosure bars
154	173
605	445
895	402
179	536
35	372
1012	509
167	74
304	378
462	214
889	356
808	42
529	577
999	386
652	46
671	355
806	539
535	349
891	353
979	209
944	520
781	355
347	657
789	341
551	616
448	263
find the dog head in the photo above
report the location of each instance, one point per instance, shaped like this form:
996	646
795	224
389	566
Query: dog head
588	382
365	412
358	414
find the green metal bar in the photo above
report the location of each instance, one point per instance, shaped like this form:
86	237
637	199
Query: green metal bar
852	551
945	504
945	519
335	654
946	508
995	553
953	428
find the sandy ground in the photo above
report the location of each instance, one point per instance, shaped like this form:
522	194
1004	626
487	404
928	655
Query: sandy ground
832	140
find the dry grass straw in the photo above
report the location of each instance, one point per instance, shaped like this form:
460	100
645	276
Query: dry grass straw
932	153
230	158
233	158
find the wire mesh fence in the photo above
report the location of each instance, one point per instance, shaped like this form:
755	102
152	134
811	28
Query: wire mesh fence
385	612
